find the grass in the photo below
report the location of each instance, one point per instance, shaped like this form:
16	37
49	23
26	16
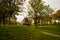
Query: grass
55	29
17	32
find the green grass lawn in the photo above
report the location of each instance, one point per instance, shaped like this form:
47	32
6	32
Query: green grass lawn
14	32
55	29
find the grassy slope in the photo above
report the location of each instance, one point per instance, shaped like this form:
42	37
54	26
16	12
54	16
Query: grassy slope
51	29
55	29
24	33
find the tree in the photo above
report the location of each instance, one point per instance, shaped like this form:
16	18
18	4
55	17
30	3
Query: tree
8	8
46	12
56	15
37	6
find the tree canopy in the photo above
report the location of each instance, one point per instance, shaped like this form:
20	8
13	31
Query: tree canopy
40	10
8	8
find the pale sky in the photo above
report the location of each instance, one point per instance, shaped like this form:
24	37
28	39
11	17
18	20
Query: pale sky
24	13
55	4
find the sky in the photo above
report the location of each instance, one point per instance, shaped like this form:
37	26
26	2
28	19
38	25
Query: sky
55	4
24	13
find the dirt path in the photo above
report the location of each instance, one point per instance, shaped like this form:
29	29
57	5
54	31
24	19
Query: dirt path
51	34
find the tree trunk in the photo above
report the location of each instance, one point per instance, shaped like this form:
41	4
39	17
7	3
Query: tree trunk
3	20
0	20
9	20
36	23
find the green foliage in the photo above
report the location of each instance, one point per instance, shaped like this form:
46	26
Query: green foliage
37	6
56	15
41	12
8	9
